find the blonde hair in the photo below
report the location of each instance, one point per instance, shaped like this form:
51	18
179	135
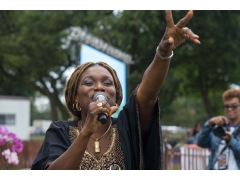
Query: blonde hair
72	85
231	93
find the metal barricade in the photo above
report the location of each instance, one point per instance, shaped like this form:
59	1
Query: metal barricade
186	157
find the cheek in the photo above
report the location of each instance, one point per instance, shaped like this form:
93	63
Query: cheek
238	113
113	96
82	94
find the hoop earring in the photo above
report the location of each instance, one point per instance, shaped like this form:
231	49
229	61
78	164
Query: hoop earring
76	107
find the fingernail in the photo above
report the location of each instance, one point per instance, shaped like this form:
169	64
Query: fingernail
190	10
110	112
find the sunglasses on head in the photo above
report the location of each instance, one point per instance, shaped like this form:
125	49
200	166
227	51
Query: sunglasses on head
233	106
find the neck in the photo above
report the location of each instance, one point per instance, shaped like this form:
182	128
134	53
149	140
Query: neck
234	122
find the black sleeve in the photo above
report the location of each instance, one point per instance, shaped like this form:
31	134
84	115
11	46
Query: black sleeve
135	155
56	142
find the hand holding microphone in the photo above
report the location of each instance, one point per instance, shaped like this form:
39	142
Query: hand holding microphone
103	116
98	97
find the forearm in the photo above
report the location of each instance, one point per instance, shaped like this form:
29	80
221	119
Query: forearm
153	78
148	90
155	75
234	145
71	159
204	136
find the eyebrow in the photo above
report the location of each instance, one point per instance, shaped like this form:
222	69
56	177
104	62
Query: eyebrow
104	77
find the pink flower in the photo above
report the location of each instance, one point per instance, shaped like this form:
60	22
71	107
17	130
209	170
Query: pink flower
3	130
11	157
3	140
11	135
6	153
17	147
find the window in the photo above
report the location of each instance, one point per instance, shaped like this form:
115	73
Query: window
7	119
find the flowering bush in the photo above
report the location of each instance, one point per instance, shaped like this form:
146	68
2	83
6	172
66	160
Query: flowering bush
9	156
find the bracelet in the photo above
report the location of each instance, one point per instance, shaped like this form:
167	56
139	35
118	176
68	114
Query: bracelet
164	58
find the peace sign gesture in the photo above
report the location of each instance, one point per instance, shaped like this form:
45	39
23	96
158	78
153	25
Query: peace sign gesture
175	34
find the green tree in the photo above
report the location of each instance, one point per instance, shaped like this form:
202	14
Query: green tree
31	55
32	58
201	71
207	70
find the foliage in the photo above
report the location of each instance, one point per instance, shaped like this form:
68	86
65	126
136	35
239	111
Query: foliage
198	71
32	59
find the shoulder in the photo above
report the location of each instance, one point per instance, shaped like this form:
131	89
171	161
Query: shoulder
131	102
62	124
114	120
61	129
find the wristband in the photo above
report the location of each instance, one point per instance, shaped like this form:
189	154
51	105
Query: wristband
164	58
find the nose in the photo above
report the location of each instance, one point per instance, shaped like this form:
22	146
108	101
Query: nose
99	86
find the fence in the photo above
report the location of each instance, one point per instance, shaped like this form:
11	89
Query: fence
185	158
177	158
26	157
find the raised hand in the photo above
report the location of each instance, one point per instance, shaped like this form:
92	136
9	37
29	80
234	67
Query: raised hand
176	34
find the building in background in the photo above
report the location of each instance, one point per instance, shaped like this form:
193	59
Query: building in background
40	126
15	115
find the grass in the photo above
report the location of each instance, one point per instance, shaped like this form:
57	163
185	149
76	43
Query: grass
37	137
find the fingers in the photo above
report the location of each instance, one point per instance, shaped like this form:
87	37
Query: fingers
188	34
181	23
113	110
166	45
227	137
218	120
185	20
96	108
169	19
224	119
176	34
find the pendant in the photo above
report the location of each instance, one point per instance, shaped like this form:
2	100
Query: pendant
97	146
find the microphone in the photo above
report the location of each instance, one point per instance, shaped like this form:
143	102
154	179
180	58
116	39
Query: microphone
98	97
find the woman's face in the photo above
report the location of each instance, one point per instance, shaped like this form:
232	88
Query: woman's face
94	79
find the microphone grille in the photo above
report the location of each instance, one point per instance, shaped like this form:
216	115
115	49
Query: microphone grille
99	96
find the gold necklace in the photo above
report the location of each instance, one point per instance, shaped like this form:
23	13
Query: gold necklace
96	143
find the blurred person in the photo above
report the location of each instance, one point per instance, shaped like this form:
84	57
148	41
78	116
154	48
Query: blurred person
189	132
221	134
131	141
192	139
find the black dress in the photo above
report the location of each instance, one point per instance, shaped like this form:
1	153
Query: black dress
136	156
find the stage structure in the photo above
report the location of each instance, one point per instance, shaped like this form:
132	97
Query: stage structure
87	47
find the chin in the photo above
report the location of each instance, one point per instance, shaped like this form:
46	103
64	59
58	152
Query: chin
231	118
